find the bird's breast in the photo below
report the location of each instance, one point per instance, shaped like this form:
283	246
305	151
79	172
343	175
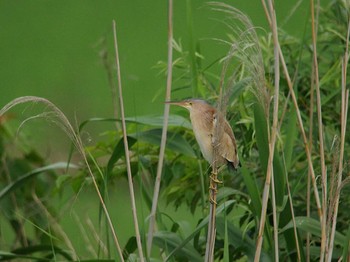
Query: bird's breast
203	134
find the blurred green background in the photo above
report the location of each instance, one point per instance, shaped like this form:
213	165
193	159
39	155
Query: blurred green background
52	48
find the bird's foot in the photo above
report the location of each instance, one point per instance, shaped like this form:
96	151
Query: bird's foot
212	194
215	179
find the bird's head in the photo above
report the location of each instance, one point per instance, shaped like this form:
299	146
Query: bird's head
190	104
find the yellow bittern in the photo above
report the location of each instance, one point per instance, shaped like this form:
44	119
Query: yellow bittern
204	119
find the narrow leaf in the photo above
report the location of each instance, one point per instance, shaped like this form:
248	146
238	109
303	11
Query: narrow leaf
175	141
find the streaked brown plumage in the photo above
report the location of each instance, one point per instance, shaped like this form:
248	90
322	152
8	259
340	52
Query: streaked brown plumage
204	117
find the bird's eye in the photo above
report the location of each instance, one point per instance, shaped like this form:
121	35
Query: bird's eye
190	103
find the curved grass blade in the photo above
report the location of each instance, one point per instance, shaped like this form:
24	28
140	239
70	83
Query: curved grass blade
313	226
171	241
32	174
148	120
118	152
26	253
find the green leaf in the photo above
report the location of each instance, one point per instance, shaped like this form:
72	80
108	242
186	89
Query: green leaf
170	241
313	226
175	141
130	247
346	246
32	174
253	190
263	146
118	152
153	120
261	135
199	227
239	240
226	243
225	192
239	87
149	120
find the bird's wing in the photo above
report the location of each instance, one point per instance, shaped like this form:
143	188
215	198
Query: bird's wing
228	147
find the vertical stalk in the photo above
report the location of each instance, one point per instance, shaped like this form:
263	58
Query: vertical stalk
209	252
344	112
320	134
164	131
308	193
126	148
272	137
213	184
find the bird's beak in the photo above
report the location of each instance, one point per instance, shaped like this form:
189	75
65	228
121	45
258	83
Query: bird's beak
176	103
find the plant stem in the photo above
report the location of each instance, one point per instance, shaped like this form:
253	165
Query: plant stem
343	121
320	134
126	148
209	252
164	131
272	137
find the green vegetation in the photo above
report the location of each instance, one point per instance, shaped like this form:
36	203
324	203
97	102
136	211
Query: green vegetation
287	100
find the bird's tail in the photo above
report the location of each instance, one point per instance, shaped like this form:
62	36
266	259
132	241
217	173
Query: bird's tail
233	166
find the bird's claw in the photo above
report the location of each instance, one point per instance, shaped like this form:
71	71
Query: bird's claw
212	201
215	179
212	191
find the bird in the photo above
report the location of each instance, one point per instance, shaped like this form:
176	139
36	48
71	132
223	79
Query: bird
204	119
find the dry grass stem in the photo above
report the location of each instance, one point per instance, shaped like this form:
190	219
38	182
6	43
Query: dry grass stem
320	133
126	148
272	137
343	121
152	218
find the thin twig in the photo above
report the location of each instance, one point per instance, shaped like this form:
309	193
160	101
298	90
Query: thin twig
272	137
126	148
164	131
308	193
